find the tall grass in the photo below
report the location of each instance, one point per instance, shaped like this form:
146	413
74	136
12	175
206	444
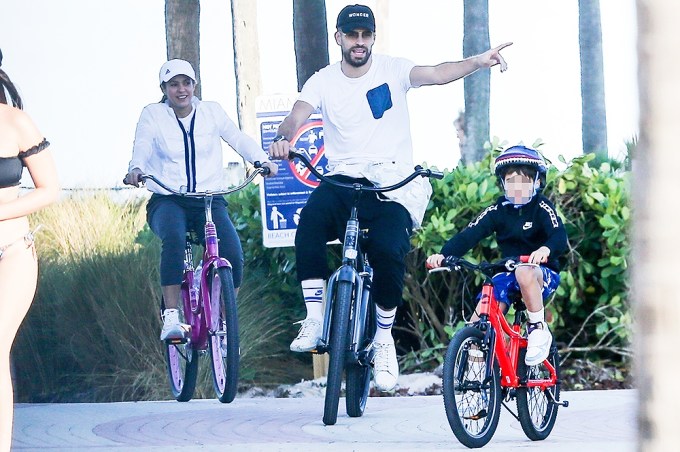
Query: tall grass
92	332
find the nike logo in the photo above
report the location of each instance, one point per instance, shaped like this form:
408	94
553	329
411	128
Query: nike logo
527	225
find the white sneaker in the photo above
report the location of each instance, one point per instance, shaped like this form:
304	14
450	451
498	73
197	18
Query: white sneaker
308	337
172	327
538	347
385	366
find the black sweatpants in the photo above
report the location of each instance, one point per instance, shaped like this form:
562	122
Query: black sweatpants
170	217
324	218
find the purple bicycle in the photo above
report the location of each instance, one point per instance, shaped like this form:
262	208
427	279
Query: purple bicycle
208	307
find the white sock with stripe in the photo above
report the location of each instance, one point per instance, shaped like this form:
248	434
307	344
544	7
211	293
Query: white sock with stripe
384	320
313	291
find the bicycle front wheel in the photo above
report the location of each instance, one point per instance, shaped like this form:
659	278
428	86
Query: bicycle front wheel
472	396
536	410
223	339
339	342
182	363
358	374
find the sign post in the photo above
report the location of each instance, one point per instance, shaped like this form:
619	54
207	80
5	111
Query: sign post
283	197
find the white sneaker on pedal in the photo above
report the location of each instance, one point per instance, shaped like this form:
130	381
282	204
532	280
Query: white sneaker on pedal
172	327
308	337
539	340
385	366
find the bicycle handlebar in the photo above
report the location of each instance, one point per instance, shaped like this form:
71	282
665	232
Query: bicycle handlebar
259	169
418	171
487	268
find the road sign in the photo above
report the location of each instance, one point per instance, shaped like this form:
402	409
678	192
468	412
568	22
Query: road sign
283	197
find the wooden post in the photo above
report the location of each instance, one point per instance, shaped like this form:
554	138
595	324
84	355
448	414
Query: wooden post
320	363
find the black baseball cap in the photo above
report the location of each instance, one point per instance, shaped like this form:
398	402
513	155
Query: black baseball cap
355	16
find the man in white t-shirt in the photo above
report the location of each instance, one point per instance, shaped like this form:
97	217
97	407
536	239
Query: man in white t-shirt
367	137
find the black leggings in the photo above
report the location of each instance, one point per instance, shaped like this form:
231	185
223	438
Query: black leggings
324	218
170	217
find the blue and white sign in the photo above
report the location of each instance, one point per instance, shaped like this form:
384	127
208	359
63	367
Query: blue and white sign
283	197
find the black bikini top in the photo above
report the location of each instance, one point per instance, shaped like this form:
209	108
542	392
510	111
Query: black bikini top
12	167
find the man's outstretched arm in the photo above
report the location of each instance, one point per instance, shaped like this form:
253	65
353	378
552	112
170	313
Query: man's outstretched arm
447	72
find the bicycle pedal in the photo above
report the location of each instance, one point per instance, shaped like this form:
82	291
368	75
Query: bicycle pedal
176	341
476	417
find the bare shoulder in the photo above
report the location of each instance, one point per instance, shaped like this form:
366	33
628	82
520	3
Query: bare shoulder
27	133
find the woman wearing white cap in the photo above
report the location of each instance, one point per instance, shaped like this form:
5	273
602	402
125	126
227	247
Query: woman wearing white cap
179	141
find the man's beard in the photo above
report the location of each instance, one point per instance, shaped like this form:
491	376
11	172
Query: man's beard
356	63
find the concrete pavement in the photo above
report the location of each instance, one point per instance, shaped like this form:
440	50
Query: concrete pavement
594	421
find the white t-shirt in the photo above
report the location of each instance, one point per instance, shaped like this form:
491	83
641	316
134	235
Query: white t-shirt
367	131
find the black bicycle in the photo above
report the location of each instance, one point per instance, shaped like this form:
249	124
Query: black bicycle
349	317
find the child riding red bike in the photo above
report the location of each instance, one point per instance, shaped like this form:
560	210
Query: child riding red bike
524	222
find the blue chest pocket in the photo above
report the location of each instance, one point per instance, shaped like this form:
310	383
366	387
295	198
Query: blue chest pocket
380	100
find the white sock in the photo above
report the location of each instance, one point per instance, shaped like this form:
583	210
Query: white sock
384	321
313	291
535	317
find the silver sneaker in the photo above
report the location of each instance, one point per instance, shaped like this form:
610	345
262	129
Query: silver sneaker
539	340
385	366
308	337
172	327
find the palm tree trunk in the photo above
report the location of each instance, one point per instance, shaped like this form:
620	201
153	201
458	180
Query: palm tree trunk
246	63
593	110
477	86
182	19
310	38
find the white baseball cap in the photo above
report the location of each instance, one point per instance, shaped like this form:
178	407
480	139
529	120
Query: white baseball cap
176	67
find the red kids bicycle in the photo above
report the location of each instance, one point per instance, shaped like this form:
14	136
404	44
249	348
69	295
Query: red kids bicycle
484	368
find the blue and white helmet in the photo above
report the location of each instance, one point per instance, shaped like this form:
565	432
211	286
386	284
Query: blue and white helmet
520	155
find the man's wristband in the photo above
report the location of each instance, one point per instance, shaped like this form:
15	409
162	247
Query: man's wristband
278	138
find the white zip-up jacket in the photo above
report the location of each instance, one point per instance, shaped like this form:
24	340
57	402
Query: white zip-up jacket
188	156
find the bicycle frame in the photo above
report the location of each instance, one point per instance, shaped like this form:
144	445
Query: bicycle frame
201	316
503	339
356	270
506	346
202	320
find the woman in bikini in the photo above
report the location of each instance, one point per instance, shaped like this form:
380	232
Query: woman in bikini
21	145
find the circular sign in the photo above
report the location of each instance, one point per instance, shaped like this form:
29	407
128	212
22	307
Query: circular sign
309	142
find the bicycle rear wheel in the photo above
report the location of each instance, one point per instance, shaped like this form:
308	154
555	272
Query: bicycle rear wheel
537	413
358	374
223	338
337	349
182	364
472	400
